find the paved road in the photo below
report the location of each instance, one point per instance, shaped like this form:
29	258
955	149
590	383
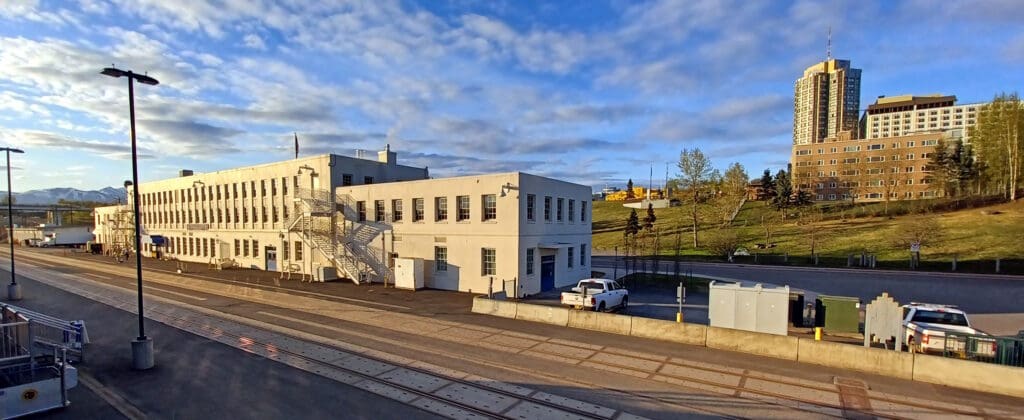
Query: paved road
277	320
979	294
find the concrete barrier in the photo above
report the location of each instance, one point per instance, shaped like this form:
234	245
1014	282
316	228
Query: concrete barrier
771	345
542	313
693	334
984	377
865	359
598	321
502	308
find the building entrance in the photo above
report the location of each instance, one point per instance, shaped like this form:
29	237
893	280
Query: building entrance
270	253
547	272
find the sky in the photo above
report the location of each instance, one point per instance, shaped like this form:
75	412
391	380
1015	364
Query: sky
593	92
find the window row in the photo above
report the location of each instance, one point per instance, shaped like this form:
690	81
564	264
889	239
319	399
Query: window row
255	214
556	207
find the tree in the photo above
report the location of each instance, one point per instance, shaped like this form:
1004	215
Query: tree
922	228
768	222
650	218
811	229
696	169
722	241
629	190
997	138
632	224
767	186
784	192
735	181
951	168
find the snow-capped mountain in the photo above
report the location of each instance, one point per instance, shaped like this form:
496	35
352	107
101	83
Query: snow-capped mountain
53	195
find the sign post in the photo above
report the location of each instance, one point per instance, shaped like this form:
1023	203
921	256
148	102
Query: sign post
680	299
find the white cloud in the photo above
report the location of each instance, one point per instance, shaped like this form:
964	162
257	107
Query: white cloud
254	41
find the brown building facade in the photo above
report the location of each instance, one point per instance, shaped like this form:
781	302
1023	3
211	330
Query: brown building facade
866	170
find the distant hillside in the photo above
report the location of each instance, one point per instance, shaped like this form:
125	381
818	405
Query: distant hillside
53	195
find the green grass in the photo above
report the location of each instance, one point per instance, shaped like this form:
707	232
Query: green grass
975	237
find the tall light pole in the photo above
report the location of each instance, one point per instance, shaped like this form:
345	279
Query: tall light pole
142	346
13	289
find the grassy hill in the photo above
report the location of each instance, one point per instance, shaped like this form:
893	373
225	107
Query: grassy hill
975	237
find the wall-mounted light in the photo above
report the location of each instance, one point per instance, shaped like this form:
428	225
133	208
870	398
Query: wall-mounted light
507	187
307	168
198	183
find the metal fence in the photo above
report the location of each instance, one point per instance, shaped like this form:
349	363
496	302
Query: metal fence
983	348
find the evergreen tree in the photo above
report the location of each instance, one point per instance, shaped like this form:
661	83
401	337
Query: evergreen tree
629	190
767	186
650	218
783	190
632	224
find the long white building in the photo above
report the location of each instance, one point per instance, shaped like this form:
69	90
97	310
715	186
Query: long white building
903	115
352	217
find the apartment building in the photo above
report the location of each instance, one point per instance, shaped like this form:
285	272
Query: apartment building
330	215
907	114
826	102
867	170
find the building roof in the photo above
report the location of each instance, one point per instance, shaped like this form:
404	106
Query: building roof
906	102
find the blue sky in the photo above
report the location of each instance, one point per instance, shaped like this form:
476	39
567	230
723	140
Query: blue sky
591	92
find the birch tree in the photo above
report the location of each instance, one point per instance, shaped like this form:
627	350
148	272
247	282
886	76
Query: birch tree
695	169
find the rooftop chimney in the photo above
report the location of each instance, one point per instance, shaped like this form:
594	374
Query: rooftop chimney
387	156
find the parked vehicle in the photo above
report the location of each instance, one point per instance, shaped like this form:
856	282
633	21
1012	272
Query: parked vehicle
944	329
66	236
597	295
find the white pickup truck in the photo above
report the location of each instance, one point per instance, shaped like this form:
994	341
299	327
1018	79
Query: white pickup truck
927	325
597	295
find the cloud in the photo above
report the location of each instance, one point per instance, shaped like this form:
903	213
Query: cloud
254	41
109	150
190	137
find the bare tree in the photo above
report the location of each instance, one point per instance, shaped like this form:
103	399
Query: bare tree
1000	146
769	221
696	170
811	230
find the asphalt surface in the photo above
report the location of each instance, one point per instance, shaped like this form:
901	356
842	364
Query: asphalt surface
194	377
974	293
204	380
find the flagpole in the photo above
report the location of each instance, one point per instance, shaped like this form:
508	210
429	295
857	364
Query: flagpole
296	144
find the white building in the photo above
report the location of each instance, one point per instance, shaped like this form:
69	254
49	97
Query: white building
903	115
304	216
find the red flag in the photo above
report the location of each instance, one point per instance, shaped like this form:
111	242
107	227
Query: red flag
296	145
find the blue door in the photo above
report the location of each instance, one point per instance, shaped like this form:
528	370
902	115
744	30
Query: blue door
547	272
271	256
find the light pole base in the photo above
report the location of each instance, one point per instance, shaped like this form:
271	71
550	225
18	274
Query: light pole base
142	353
13	292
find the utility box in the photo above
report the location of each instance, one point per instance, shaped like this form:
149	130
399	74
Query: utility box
327	273
756	308
409	273
796	308
837	313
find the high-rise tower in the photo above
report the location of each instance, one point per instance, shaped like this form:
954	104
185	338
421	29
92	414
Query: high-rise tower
826	101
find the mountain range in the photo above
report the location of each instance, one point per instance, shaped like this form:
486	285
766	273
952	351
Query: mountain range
53	195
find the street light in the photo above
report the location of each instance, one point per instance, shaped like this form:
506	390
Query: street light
142	346
13	289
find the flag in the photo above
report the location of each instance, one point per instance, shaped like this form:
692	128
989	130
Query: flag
296	145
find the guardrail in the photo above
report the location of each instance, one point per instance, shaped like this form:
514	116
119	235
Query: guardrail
48	333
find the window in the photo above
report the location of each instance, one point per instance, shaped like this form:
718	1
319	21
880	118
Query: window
876	147
396	210
284	187
440	208
570	259
245	248
255	248
298	250
583	255
263	188
547	208
378	208
583	211
440	258
531	204
572	210
488	261
803	152
367	179
417	209
238	247
910	143
361	210
490	204
558	214
929	142
529	261
245	214
346	179
462	207
284	250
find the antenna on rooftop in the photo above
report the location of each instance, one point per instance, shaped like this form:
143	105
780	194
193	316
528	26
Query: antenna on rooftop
828	46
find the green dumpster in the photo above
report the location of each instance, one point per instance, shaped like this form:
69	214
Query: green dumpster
837	313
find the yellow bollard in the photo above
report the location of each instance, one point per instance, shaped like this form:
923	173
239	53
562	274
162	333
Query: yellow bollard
679	317
817	333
